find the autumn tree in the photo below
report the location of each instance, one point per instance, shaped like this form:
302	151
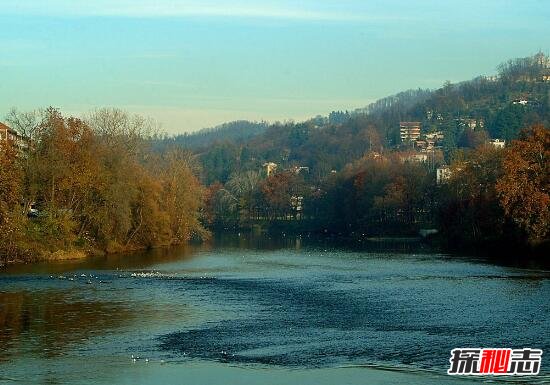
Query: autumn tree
405	200
182	195
278	191
213	211
371	137
524	189
239	194
10	200
98	184
469	207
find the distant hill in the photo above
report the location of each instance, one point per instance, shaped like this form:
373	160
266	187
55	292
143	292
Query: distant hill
466	114
235	132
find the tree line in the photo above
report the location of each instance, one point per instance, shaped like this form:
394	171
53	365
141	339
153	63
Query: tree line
490	195
93	184
110	182
96	184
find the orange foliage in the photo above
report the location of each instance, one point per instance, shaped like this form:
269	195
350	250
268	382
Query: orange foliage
524	189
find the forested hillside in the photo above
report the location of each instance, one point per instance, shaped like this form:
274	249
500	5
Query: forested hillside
500	106
237	132
353	173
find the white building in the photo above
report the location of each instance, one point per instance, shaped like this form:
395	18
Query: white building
299	169
498	143
9	135
438	135
414	158
522	102
270	168
442	174
470	123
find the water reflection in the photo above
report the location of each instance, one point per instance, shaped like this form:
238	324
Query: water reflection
46	323
263	241
244	299
122	261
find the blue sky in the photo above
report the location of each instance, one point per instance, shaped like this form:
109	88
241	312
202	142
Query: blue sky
194	64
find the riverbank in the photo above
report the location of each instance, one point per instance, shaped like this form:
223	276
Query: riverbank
496	252
500	250
77	254
60	255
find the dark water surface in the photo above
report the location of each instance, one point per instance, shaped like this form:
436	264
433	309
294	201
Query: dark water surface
247	310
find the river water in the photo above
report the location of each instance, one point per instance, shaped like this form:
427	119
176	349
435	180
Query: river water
255	310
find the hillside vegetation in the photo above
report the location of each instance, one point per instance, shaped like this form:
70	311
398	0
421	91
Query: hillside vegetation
502	105
350	172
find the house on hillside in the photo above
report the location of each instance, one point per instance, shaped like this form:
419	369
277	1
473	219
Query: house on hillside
470	123
270	168
300	169
409	131
297	202
413	157
442	174
521	101
435	136
498	143
491	78
9	135
425	145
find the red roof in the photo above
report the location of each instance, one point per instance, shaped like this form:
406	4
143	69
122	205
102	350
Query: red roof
3	126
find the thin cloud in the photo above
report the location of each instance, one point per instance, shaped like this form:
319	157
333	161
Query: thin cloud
167	8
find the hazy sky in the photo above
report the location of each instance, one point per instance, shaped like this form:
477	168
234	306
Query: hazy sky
198	63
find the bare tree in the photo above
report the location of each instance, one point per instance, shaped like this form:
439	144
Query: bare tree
26	124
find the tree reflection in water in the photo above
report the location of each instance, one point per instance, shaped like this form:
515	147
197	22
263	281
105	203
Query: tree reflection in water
47	323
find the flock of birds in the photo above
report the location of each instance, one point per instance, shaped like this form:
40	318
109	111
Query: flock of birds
88	278
91	279
137	358
134	358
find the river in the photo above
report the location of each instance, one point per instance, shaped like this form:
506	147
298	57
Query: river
260	310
